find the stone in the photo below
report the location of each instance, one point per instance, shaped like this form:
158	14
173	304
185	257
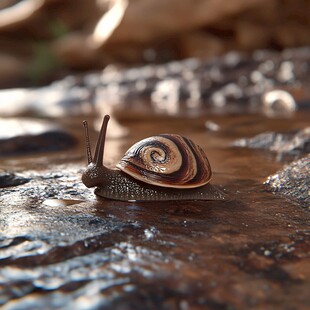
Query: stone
205	29
293	181
121	25
63	248
126	255
26	136
128	20
66	48
42	24
10	68
59	99
99	33
193	86
17	14
9	179
277	102
283	143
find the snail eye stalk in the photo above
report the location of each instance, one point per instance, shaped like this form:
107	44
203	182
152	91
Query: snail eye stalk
88	149
98	158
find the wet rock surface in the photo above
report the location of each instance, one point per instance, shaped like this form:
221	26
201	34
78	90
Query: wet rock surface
63	248
284	143
24	136
293	181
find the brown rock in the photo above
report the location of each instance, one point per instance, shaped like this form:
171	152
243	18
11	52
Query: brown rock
201	44
17	14
75	49
97	33
10	68
121	26
204	29
157	20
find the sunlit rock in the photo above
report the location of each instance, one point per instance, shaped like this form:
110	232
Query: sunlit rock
25	136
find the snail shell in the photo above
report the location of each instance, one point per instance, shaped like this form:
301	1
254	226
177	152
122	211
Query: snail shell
167	160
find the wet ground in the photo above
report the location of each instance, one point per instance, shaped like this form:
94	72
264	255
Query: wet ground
63	248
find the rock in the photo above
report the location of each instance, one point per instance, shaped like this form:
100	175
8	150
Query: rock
10	68
156	18
56	100
114	255
66	48
99	33
293	181
23	136
278	102
41	23
269	82
25	15
288	143
16	14
201	45
125	29
8	179
205	29
63	248
192	86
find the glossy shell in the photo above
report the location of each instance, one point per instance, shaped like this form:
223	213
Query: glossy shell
167	160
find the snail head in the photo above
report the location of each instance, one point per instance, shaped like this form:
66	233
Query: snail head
95	171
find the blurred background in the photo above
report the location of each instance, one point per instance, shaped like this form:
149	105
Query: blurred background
150	59
45	40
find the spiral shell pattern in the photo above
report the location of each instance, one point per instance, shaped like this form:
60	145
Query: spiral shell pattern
167	160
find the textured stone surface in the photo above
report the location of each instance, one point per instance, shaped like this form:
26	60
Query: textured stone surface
284	143
293	181
62	248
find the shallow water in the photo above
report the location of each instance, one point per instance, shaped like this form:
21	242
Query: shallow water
63	248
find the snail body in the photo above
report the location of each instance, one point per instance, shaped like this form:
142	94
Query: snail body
159	168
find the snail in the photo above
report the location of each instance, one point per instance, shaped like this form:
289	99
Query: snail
163	167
